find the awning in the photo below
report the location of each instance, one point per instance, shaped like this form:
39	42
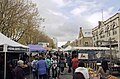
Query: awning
36	48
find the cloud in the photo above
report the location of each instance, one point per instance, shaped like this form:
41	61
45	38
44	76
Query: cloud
64	17
59	3
78	10
97	16
57	14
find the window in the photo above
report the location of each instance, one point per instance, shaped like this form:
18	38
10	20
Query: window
113	28
86	43
101	31
108	30
96	33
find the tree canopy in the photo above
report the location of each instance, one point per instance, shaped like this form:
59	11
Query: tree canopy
20	21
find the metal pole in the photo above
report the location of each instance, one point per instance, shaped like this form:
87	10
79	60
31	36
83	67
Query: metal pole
5	66
5	60
110	53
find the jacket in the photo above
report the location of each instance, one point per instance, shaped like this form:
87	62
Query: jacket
42	67
74	63
84	71
19	73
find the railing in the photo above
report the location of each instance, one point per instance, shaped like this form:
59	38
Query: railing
91	64
94	66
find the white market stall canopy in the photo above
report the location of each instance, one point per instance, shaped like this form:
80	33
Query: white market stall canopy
68	48
8	45
11	45
92	48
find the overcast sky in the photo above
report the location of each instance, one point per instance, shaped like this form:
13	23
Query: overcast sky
64	17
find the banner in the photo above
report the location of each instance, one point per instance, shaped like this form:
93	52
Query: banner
82	56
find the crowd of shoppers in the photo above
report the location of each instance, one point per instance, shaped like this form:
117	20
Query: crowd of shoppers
47	65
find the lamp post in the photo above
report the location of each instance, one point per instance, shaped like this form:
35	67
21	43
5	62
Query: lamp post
110	42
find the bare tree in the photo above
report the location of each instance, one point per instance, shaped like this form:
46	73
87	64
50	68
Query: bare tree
16	17
19	20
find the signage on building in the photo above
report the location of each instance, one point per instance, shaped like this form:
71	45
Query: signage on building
82	56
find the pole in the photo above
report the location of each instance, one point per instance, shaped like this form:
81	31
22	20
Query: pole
5	59
110	52
5	66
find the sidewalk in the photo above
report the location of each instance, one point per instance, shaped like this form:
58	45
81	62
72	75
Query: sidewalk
66	75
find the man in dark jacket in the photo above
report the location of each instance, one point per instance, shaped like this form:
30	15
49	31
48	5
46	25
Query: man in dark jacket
69	59
19	72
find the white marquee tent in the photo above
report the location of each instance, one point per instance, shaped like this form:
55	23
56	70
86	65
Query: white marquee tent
91	48
68	48
7	45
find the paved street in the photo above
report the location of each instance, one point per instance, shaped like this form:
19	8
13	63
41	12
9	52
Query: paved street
66	75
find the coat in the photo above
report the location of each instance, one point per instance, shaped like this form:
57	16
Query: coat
42	67
19	73
84	71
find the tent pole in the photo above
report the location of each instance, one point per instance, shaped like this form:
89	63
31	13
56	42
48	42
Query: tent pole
5	59
30	65
5	66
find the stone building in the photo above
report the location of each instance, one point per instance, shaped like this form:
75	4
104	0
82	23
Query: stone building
106	31
85	38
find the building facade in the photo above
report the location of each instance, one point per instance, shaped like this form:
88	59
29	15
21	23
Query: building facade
84	39
107	32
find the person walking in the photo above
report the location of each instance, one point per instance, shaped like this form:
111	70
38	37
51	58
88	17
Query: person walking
9	73
42	68
104	65
48	61
54	66
81	70
33	64
62	64
74	63
18	71
69	59
102	71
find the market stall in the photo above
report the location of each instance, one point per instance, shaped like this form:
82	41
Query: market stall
35	49
9	46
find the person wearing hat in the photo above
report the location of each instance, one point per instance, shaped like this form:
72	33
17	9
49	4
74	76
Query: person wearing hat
19	72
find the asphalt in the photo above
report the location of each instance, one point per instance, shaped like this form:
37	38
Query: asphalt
65	75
